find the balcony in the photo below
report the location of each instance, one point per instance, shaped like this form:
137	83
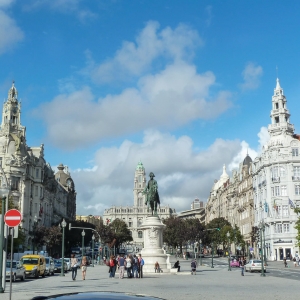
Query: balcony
275	179
296	178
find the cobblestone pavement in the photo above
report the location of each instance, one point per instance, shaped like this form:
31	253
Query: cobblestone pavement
207	284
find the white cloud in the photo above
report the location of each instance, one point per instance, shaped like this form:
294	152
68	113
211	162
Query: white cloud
263	137
6	3
239	158
10	33
171	98
136	57
251	74
182	173
63	6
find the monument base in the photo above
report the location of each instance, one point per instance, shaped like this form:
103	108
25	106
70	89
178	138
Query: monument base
153	243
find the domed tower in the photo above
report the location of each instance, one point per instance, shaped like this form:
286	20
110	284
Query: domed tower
246	166
139	185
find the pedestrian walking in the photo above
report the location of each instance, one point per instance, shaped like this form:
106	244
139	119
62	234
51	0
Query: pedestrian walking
141	264
128	267
193	266
242	266
121	265
74	266
295	262
111	267
83	267
284	262
135	266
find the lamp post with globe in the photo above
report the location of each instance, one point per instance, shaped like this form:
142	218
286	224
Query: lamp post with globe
228	236
63	225
93	240
82	248
4	192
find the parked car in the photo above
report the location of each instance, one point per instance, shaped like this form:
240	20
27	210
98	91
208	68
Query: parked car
58	265
78	262
76	250
254	265
49	266
18	271
68	261
234	263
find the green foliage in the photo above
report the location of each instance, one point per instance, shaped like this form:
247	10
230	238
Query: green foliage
115	233
176	232
297	211
218	237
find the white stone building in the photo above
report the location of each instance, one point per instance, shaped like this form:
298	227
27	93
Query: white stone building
197	211
276	182
134	215
34	190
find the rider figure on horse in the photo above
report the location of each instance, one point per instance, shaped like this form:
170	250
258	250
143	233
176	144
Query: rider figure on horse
151	192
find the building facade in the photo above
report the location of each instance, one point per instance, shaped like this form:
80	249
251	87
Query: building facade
232	199
197	211
34	188
135	215
276	182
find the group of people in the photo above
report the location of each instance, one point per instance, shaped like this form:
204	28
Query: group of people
132	264
295	259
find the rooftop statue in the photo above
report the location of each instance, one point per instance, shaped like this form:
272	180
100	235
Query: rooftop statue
151	192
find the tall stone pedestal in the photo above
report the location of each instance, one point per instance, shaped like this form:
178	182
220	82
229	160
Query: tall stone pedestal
153	245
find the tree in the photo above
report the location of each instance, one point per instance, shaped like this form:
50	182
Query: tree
218	237
115	233
297	211
175	232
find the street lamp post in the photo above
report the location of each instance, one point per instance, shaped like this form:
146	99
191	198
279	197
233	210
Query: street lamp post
82	249
63	225
264	238
248	251
35	221
200	248
228	236
93	240
212	255
4	191
262	228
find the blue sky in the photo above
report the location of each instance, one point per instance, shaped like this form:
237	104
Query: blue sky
185	86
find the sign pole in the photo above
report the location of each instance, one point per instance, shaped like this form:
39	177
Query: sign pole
11	259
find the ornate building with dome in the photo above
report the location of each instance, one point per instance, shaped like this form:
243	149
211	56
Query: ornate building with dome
232	199
43	197
276	182
134	215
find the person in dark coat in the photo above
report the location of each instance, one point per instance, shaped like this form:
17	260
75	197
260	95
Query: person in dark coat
176	265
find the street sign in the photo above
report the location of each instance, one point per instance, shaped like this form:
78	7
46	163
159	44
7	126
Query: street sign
12	218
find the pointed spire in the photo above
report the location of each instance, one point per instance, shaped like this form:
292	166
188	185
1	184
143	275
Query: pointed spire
13	93
278	87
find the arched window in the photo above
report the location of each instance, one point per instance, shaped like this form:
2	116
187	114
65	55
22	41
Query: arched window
140	234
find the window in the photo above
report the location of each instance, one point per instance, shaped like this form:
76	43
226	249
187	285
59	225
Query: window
283	190
140	234
276	106
295	152
15	182
140	178
272	191
37	173
297	189
279	210
41	192
276	119
282	171
286	227
275	173
296	171
36	191
277	191
129	224
35	207
285	210
279	228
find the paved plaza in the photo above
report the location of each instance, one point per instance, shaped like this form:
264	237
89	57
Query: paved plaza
209	283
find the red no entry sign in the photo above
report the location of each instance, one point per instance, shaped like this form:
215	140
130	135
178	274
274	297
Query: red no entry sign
12	218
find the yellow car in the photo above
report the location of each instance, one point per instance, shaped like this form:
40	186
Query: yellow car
35	265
